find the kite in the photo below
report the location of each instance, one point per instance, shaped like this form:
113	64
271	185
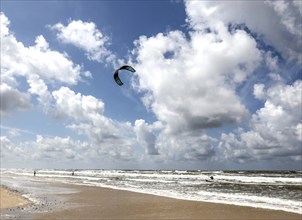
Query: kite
117	78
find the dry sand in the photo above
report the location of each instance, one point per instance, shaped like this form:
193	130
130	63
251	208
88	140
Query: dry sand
11	199
103	203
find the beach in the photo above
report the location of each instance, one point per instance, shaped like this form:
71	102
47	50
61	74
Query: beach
11	199
90	202
153	194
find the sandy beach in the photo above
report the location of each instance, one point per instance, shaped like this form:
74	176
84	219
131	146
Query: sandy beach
11	199
90	202
104	203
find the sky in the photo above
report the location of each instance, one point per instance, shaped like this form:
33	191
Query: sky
218	84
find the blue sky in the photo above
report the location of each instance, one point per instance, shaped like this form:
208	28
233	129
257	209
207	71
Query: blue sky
215	87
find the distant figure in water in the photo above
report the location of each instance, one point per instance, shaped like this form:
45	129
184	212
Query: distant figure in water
211	179
35	173
72	174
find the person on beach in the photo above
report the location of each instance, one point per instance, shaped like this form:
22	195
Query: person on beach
34	173
72	174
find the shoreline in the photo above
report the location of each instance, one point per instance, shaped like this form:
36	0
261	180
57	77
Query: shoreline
203	201
12	199
248	188
93	202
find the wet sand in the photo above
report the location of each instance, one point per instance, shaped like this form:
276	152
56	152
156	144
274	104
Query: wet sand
11	199
89	202
103	203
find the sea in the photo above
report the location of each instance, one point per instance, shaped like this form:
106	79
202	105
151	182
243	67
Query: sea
278	190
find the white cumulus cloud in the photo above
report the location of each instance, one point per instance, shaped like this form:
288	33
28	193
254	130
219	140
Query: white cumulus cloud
191	82
12	99
50	149
194	88
77	106
277	22
107	136
145	136
259	91
38	64
85	36
275	128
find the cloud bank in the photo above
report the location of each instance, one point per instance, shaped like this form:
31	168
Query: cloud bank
38	65
275	128
191	82
196	83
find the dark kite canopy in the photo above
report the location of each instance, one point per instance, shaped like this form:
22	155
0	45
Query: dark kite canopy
116	76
